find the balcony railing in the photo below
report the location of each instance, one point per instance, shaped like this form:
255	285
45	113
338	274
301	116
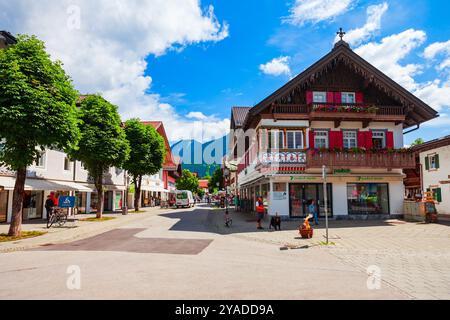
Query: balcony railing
346	159
338	108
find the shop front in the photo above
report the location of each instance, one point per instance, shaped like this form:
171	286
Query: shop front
368	199
4	196
302	195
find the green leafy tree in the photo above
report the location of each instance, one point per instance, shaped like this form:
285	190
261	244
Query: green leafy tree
217	178
418	142
103	142
148	151
37	111
188	181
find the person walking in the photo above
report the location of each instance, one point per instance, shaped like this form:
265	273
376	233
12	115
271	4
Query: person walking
313	210
260	211
49	205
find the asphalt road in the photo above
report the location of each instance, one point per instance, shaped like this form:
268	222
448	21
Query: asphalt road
181	255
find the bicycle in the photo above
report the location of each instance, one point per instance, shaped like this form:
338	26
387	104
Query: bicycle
228	221
58	217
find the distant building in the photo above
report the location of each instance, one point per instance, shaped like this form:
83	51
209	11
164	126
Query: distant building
204	185
6	39
433	172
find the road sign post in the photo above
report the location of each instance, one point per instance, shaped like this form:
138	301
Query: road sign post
325	192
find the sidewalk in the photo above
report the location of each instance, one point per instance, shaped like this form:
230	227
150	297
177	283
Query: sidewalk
73	230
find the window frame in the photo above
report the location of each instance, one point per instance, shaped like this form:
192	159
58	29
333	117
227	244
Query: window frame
274	139
384	132
41	158
430	158
67	162
355	132
295	144
321	93
327	138
347	94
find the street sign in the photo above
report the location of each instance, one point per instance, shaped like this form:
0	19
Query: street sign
66	202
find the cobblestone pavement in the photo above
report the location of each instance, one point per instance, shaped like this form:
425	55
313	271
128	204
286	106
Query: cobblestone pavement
412	257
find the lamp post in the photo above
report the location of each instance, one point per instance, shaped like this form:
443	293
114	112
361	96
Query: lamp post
125	207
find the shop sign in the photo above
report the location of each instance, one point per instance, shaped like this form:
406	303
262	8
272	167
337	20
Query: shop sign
342	171
66	202
303	178
370	179
283	157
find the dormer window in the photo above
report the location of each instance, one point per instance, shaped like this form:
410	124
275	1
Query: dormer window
348	97
319	97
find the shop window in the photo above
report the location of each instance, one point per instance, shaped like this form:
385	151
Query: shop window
379	139
32	205
319	97
348	97
295	140
350	139
321	140
367	199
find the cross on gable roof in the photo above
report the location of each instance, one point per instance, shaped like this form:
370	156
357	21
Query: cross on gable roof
416	110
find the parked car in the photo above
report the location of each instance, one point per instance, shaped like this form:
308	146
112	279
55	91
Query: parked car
185	199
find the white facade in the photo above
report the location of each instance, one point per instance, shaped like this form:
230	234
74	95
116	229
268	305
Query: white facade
437	177
55	173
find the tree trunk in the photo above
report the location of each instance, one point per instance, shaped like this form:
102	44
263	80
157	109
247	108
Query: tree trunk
101	196
137	193
16	223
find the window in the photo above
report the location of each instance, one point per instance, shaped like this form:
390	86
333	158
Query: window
348	97
40	160
379	139
432	162
319	97
66	164
295	140
437	194
350	139
276	139
321	139
366	199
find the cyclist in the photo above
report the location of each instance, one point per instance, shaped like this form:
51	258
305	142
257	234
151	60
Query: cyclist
49	206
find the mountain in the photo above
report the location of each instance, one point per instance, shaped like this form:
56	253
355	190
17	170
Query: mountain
202	159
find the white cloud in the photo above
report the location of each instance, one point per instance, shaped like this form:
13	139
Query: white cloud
317	10
276	67
435	93
442	121
107	53
373	24
196	115
388	54
438	48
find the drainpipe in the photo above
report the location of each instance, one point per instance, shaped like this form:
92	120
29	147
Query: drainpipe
412	130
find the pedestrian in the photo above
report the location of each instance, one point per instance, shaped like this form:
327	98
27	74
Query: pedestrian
260	211
313	211
49	205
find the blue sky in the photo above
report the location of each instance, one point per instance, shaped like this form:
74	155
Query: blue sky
213	77
187	62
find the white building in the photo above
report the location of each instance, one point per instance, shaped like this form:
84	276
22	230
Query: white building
54	172
435	171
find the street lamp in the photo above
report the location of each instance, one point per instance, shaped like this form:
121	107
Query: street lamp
226	174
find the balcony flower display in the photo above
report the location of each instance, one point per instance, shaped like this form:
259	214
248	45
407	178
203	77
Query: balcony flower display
344	108
362	151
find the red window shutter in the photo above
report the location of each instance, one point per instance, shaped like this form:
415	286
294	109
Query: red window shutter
311	139
361	139
359	97
369	142
309	97
340	139
330	97
337	97
390	140
332	139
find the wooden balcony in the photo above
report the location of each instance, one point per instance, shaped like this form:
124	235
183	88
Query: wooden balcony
345	159
339	112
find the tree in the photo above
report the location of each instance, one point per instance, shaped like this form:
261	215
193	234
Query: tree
37	111
103	142
188	181
217	178
148	151
417	142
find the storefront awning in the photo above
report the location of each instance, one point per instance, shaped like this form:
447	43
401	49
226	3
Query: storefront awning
153	189
106	187
46	185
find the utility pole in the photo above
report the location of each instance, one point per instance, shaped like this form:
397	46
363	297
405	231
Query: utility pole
325	193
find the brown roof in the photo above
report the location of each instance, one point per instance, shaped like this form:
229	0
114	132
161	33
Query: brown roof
7	37
169	163
238	115
433	144
417	110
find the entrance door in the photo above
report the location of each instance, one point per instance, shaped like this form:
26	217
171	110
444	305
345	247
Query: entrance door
301	195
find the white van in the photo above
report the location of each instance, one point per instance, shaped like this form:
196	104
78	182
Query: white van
185	199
